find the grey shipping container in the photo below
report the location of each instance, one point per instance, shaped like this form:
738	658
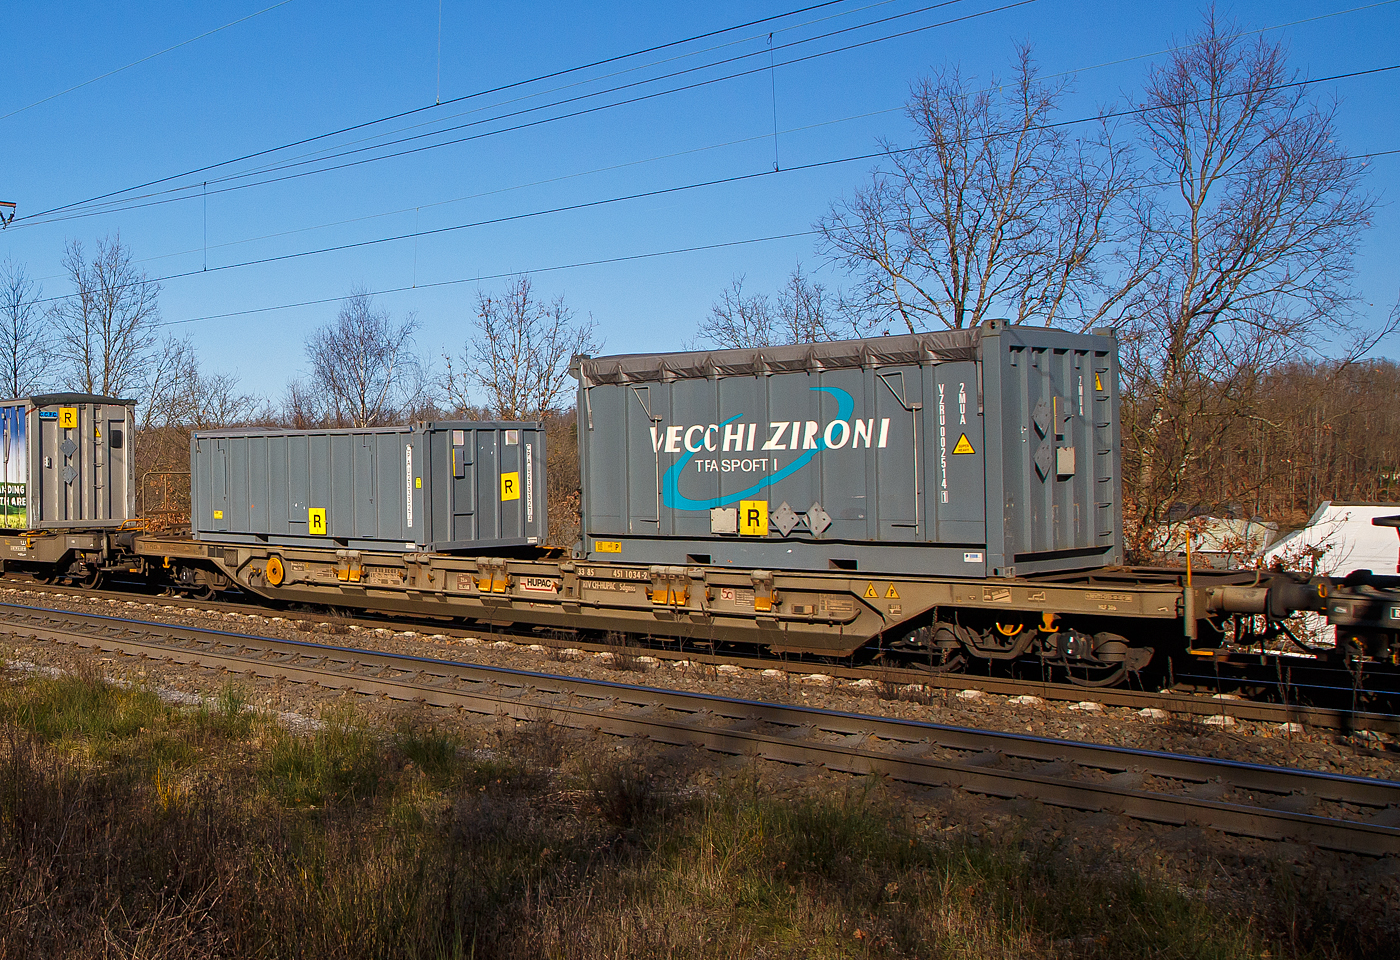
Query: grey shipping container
441	487
984	452
66	459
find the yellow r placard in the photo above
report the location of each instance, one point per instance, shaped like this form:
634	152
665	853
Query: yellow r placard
510	486
68	418
753	518
316	521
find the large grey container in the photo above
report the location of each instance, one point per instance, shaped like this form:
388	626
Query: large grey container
985	452
454	486
66	462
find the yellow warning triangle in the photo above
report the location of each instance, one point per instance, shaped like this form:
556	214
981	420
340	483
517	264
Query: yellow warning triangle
891	593
963	446
870	593
1098	384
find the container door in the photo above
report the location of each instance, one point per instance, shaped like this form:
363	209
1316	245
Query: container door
363	501
218	486
488	503
898	482
510	462
462	454
52	493
955	501
117	454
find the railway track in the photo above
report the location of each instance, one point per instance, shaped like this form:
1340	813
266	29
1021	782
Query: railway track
1179	702
1349	814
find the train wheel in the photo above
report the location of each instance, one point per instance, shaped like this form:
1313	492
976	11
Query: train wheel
92	579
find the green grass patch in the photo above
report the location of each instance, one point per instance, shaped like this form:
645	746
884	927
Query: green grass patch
84	711
189	833
342	762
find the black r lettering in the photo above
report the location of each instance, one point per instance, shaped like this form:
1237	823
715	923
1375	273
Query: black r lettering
753	518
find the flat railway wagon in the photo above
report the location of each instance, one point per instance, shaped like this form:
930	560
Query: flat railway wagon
938	556
904	540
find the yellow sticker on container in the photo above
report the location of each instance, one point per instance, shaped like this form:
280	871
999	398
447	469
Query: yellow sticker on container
316	521
963	446
607	546
1098	384
218	514
510	486
418	482
753	518
68	418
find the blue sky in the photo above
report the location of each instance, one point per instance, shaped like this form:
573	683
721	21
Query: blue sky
307	67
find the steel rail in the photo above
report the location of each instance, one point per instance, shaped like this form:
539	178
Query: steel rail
1064	773
1323	718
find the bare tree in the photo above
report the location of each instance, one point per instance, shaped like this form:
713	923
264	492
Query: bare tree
993	212
105	331
222	404
519	359
171	392
23	347
738	320
1251	239
300	407
363	368
799	313
180	394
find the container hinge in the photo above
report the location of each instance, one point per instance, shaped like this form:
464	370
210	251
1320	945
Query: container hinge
348	567
491	575
568	587
765	597
670	586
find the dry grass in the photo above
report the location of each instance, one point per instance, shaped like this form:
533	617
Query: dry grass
131	828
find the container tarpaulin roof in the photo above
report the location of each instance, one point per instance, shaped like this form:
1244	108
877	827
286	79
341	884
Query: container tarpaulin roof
49	399
907	348
1342	536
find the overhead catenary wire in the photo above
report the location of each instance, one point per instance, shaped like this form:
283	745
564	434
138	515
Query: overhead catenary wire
735	178
477	278
604	261
763	136
129	205
67	212
432	106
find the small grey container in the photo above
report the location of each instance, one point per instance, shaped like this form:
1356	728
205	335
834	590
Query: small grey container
455	486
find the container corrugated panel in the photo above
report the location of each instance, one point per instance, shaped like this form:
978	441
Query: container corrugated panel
992	451
445	487
65	462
